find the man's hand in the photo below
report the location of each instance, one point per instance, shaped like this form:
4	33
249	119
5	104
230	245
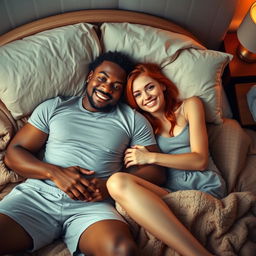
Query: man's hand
71	180
101	190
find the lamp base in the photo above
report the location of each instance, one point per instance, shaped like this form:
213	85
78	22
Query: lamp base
246	55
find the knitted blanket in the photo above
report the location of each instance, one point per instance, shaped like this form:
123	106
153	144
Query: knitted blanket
225	227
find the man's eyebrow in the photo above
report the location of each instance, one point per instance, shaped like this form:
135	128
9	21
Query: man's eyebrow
106	74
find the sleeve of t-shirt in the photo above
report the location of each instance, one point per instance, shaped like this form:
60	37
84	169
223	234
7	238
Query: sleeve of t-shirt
143	133
42	114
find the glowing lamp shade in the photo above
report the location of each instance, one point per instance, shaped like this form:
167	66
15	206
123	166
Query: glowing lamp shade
246	34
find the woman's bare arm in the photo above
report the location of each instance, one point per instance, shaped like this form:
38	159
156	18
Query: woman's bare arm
197	159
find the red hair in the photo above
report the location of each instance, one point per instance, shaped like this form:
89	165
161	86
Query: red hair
171	94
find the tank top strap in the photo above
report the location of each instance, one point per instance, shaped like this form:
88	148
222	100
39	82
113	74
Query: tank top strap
182	111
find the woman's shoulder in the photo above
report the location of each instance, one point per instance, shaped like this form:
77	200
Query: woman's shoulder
191	100
192	105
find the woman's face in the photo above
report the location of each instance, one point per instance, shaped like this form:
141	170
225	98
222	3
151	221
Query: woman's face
148	94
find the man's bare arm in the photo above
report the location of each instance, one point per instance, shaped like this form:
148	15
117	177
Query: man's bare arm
21	153
21	157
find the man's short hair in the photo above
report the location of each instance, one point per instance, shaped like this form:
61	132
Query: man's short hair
116	57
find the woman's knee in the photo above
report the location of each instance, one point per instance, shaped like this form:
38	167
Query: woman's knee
118	183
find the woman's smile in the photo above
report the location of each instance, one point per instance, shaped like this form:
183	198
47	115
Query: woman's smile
151	103
148	94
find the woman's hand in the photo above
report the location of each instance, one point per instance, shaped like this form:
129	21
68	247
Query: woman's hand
136	155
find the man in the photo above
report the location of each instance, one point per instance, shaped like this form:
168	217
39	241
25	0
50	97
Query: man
65	194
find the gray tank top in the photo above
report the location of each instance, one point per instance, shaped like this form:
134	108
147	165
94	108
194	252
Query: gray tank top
177	144
209	181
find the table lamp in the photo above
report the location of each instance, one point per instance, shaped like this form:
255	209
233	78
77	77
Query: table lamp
246	34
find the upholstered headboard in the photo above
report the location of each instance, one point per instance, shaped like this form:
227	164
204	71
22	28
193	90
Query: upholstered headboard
208	20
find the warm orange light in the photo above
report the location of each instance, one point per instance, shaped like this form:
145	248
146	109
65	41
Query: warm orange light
246	35
253	12
242	8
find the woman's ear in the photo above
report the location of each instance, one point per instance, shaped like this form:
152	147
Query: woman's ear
163	87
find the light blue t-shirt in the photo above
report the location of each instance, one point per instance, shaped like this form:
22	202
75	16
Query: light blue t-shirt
92	140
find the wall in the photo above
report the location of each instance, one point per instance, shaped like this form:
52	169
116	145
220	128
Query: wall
208	20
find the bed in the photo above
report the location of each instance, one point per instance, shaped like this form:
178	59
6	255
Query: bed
50	56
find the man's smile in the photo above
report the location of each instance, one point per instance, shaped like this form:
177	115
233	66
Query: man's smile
102	95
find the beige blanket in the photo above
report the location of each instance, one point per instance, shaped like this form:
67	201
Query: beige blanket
226	227
8	127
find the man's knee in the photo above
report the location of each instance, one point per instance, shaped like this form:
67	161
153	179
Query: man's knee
115	246
122	246
108	238
126	248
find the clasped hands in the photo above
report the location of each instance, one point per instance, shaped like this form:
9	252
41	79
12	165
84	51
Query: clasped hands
74	182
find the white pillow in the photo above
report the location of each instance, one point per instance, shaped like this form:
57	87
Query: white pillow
195	70
44	65
198	73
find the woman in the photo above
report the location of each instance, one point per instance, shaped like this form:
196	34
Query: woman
182	137
180	132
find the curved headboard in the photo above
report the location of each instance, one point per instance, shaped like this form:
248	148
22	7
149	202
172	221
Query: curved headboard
91	16
208	20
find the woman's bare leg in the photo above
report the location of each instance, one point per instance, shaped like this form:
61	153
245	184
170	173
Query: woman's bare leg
142	201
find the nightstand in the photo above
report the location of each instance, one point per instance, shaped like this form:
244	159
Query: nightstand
239	79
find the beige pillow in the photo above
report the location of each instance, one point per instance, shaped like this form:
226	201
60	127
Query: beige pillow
144	43
47	64
198	73
195	70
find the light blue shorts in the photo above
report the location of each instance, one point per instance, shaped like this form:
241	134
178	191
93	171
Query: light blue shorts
47	213
206	181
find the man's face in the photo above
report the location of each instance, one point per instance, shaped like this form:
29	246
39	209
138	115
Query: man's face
104	87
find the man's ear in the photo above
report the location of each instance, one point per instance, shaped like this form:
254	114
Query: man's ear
89	76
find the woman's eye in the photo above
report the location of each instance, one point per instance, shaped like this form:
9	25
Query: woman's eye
151	87
136	95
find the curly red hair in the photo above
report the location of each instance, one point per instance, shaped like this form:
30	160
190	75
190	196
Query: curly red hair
171	94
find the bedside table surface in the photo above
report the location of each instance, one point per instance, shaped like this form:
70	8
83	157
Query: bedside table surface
237	67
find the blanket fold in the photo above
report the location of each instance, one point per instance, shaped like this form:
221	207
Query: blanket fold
8	127
226	227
